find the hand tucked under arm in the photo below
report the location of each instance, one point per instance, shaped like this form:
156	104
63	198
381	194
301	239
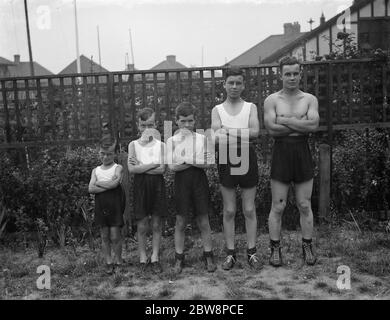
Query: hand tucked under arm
95	189
302	125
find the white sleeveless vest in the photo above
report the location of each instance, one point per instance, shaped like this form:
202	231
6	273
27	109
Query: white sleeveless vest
239	121
105	175
148	154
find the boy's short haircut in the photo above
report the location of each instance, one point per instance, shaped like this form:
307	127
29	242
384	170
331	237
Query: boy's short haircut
234	71
288	61
185	109
108	142
145	113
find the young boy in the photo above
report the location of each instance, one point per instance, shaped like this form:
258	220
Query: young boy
187	157
146	161
232	120
109	203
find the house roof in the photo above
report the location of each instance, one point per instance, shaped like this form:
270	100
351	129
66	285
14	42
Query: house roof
264	48
169	63
22	69
86	65
286	49
6	62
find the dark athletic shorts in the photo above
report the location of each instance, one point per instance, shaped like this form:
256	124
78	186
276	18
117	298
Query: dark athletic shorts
149	195
109	207
247	180
292	160
192	192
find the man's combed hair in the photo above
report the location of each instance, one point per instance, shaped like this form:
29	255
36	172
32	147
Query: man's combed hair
145	113
185	109
234	71
288	61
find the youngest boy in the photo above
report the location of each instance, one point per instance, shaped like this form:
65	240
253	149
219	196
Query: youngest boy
187	157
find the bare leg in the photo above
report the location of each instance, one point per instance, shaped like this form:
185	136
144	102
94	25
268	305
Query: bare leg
303	193
279	197
249	210
142	227
205	231
106	247
116	243
156	227
229	212
180	233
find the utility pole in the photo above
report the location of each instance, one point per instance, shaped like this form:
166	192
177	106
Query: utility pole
29	40
100	58
131	48
202	57
77	38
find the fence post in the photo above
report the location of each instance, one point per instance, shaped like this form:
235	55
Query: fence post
111	107
325	178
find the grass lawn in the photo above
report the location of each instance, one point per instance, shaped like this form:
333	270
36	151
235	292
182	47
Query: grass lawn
79	273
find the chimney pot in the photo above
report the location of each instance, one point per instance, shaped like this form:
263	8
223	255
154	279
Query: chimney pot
17	58
171	58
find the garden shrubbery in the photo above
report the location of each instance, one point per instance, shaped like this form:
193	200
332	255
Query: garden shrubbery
51	198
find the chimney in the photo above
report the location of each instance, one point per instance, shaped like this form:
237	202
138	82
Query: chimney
291	28
322	19
171	58
130	67
17	58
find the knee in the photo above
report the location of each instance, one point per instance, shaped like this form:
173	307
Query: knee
229	213
156	227
304	207
203	223
249	211
105	237
141	228
278	207
115	238
180	224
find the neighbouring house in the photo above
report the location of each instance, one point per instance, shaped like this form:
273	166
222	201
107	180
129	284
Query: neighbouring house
86	65
4	65
268	46
169	63
19	68
367	20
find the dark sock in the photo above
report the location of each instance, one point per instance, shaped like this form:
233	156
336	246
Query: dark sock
307	241
251	251
179	256
275	243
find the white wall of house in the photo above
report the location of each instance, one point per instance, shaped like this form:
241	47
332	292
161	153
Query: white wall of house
331	32
379	8
311	49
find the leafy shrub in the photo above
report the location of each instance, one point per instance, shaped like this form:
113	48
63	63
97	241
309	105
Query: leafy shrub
361	168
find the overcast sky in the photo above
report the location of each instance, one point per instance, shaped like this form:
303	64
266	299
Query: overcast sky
224	28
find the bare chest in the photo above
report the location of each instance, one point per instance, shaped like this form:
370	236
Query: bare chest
292	107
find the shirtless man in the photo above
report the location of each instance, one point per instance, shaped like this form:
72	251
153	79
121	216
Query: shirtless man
235	122
289	115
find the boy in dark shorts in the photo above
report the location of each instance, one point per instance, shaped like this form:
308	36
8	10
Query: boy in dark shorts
146	161
236	124
109	203
187	157
289	115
